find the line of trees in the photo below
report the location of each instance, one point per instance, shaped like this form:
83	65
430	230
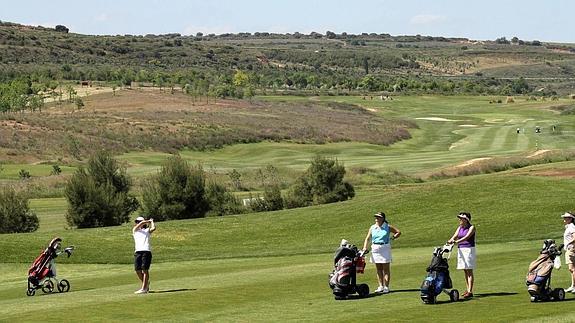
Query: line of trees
99	195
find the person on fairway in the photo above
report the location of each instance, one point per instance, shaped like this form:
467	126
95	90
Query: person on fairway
143	252
380	235
569	242
464	236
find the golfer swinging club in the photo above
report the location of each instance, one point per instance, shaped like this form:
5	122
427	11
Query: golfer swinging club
143	254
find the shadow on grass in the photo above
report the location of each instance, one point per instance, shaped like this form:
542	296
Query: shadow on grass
355	296
172	290
484	295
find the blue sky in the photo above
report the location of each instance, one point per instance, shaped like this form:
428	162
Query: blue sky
550	20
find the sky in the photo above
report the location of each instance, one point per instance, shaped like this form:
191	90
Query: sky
544	20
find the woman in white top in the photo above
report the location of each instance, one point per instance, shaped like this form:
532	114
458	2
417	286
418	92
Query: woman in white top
143	251
380	234
569	242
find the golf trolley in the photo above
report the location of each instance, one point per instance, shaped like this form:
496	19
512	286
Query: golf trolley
42	273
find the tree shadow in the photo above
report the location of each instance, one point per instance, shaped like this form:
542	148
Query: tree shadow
171	290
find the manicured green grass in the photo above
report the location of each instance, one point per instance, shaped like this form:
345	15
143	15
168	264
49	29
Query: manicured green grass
434	145
288	288
273	266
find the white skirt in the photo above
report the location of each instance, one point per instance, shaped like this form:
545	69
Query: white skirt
380	254
466	258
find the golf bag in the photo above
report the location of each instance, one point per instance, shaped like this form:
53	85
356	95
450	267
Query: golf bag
539	276
438	279
42	273
348	261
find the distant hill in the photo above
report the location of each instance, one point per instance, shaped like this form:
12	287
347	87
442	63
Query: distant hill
313	61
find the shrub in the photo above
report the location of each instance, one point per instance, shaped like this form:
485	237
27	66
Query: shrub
15	214
24	174
271	201
99	195
322	183
176	192
221	201
56	170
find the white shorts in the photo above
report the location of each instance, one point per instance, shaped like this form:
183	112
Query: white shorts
466	258
380	254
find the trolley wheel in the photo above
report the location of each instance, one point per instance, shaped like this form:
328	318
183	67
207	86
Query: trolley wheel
30	291
48	286
558	294
454	295
63	286
363	290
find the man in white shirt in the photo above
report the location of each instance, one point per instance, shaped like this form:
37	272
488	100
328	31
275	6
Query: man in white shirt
569	242
143	253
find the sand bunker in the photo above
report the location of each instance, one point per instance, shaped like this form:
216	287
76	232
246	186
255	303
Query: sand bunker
539	152
435	119
468	125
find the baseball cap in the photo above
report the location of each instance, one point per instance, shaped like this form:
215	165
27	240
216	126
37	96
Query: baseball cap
568	215
140	219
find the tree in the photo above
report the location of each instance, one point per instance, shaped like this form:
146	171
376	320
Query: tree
36	102
56	170
15	213
241	78
62	29
221	201
24	174
520	86
321	183
330	34
176	192
79	103
99	194
235	177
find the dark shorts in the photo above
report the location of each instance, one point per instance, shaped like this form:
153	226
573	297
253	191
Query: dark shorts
142	260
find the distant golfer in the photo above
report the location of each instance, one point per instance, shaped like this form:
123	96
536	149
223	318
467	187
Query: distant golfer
464	236
143	254
569	242
380	235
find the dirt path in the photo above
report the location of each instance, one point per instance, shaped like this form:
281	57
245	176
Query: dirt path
471	162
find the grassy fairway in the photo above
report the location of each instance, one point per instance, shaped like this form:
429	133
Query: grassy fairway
451	130
274	266
278	289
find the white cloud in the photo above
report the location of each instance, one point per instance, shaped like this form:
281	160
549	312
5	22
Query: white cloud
426	19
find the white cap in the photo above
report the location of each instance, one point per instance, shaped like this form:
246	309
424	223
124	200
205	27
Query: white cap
140	219
344	242
568	215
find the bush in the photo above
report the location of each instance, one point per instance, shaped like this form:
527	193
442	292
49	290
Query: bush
176	192
15	214
221	201
99	195
271	201
24	174
56	170
322	183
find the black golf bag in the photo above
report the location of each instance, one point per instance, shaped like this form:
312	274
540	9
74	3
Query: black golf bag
348	261
438	279
539	276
